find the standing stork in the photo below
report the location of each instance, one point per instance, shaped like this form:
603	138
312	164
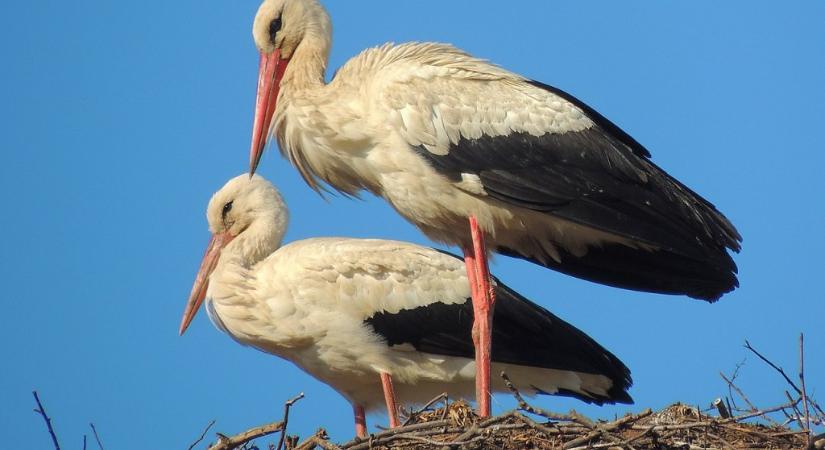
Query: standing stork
351	312
468	152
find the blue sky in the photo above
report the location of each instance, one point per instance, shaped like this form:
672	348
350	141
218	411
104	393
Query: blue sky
119	120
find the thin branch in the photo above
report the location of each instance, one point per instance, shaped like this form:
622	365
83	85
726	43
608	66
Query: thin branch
797	417
732	378
745	398
604	429
232	442
722	440
436	399
802	381
375	439
203	435
791	404
572	416
286	418
785	376
97	438
42	412
777	368
319	439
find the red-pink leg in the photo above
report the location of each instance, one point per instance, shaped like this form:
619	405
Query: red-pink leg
470	264
360	421
478	273
389	398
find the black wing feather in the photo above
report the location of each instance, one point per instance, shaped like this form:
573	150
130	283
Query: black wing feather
523	333
602	178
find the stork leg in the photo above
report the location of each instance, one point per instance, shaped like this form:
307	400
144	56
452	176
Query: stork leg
360	420
478	273
389	398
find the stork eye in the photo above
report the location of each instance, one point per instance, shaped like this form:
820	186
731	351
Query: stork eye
226	208
274	27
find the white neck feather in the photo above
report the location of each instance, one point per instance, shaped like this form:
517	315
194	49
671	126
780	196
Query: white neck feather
308	63
236	267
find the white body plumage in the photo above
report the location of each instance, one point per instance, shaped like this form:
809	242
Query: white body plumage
311	301
444	136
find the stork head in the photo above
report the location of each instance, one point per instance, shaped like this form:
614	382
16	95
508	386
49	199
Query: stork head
279	29
247	212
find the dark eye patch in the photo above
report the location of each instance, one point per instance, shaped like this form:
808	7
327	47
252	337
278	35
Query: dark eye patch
226	208
274	27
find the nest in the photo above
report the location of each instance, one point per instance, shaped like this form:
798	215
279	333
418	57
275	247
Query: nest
445	425
456	426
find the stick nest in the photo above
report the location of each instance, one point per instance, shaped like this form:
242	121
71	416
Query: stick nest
455	426
445	425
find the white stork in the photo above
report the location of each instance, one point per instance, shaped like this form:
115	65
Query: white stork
350	312
445	137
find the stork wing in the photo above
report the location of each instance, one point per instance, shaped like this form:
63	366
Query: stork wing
537	147
524	334
418	296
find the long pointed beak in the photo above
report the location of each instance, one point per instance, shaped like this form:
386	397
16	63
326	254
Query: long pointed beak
270	72
210	260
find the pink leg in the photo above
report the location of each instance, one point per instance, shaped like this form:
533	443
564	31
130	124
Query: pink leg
478	273
360	421
389	398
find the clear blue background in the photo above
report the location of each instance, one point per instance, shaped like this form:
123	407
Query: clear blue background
119	119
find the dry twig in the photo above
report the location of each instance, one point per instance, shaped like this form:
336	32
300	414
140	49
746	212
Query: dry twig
781	371
232	442
203	435
42	411
97	438
413	414
802	382
285	420
745	398
571	416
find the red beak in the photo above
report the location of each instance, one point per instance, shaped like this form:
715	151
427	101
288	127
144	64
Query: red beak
270	72
210	260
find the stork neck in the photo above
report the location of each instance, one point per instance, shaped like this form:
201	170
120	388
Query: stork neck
308	64
252	246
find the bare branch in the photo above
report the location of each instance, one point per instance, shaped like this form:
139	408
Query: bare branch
97	438
232	442
42	412
572	416
802	381
288	403
785	376
777	368
440	397
745	398
203	435
319	439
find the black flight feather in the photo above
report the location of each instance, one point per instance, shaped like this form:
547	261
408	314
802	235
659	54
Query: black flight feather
600	177
523	334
